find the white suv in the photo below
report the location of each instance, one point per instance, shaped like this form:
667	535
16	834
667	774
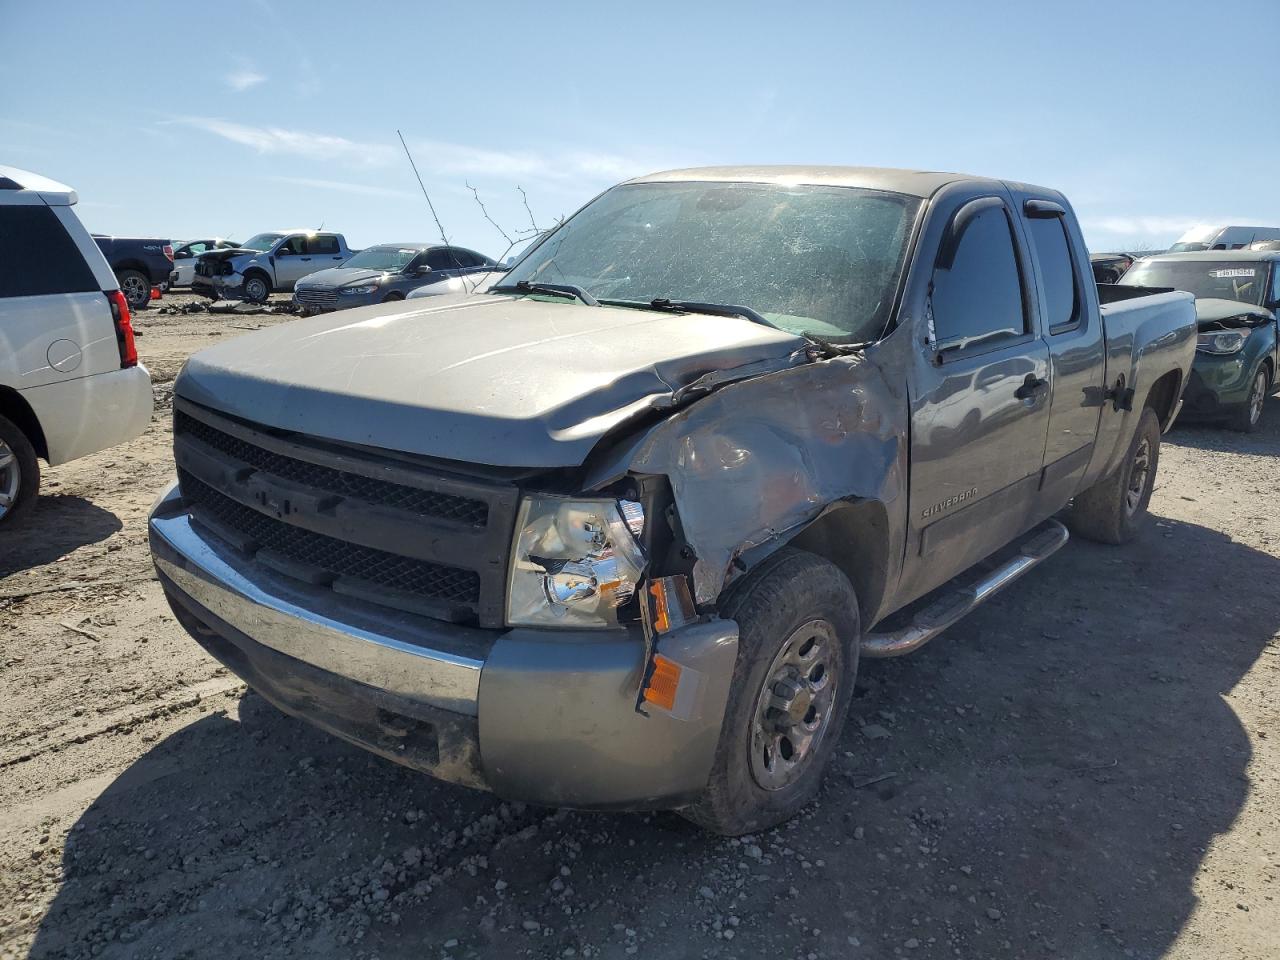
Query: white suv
70	381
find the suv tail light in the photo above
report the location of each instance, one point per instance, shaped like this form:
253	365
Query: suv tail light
168	251
124	329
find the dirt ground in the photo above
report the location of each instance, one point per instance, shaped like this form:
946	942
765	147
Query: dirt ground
1088	767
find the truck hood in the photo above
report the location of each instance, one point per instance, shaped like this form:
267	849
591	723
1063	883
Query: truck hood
228	253
1211	312
483	379
342	276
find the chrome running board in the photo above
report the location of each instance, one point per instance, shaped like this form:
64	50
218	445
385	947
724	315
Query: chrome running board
1043	543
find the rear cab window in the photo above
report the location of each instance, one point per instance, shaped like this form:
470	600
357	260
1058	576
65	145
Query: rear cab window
323	243
37	255
1052	250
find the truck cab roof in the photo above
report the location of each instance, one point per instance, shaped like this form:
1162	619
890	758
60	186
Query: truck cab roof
915	183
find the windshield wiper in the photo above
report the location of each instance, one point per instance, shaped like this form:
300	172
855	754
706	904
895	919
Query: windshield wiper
570	291
715	309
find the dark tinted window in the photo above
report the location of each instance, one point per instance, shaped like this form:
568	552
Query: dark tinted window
1049	237
442	259
37	256
324	243
979	299
290	248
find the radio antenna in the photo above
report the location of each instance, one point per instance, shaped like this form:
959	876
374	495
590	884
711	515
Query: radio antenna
426	195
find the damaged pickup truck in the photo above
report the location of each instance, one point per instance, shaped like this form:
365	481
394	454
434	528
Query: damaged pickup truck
615	533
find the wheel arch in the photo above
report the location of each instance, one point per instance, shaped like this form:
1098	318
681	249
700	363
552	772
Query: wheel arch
1163	397
131	264
854	536
16	409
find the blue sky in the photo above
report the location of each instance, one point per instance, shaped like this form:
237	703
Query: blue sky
237	116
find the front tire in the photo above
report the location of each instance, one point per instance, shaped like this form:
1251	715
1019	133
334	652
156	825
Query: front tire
19	473
798	643
136	288
392	297
257	288
1112	510
1249	416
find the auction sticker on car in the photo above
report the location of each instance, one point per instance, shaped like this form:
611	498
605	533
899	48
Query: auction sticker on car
1233	272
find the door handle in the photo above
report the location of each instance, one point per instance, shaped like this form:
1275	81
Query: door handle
1031	386
305	258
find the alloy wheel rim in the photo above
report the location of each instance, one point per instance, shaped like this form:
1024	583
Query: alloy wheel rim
1259	397
135	290
10	478
1138	476
794	705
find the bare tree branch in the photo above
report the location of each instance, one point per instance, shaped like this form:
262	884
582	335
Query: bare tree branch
524	197
476	193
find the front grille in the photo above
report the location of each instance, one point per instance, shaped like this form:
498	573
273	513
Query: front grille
334	557
384	530
316	296
412	499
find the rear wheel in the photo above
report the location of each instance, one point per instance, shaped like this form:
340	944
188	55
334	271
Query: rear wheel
136	288
1112	510
797	657
19	472
1248	417
256	288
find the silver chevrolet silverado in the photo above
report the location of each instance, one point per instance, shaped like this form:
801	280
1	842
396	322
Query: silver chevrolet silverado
615	533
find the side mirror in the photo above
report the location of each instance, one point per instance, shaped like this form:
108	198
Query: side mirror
422	270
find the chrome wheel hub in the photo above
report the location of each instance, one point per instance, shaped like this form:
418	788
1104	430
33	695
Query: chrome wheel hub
10	478
793	705
1138	476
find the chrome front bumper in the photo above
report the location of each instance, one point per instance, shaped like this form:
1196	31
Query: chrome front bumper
554	715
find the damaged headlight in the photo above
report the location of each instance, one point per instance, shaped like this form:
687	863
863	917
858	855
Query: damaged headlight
362	288
1223	342
575	562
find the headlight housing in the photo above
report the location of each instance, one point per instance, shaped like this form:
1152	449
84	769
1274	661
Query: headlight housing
574	563
1222	342
361	288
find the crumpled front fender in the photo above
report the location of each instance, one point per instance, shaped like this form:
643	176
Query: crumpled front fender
753	463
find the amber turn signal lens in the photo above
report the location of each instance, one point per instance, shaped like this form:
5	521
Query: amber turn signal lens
662	686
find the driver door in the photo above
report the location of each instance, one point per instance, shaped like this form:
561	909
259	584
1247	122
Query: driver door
979	388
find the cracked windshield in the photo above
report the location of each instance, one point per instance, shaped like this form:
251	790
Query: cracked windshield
818	260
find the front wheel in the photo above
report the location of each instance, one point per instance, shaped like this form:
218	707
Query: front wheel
1248	417
1112	510
392	297
256	288
798	641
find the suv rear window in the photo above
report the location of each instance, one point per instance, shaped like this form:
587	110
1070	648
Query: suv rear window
37	257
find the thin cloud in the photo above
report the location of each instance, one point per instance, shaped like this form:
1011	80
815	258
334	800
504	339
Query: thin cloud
243	79
443	158
341	186
279	140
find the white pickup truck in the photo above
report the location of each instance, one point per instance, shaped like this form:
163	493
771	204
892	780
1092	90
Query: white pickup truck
70	381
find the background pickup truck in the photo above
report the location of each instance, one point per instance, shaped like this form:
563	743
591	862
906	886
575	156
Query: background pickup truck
266	263
615	533
139	265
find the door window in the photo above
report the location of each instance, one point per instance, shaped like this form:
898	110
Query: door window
37	256
290	248
1057	271
442	259
976	299
323	243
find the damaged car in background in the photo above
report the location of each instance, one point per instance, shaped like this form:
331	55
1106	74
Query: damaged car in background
389	272
616	533
1238	351
267	263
